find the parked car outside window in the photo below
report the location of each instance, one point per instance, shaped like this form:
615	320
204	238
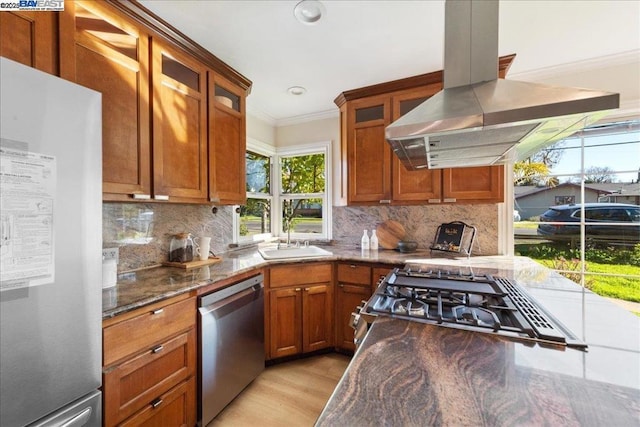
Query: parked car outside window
616	223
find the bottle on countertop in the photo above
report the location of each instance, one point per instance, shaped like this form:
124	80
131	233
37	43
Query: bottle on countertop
373	242
364	243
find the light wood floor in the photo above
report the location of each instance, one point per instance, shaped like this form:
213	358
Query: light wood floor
287	394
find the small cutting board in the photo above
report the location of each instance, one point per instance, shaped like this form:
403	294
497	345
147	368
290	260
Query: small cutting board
193	264
390	233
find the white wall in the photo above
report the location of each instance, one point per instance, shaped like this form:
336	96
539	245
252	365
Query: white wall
327	129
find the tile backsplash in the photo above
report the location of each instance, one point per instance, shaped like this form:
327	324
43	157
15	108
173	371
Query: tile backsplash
143	231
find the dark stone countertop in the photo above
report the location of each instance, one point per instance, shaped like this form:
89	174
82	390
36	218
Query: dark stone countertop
143	287
413	374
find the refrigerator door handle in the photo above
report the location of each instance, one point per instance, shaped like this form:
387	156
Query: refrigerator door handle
79	420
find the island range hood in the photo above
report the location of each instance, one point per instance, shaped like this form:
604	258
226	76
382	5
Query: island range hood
480	120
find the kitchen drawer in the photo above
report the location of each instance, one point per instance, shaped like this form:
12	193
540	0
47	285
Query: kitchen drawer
174	408
138	381
300	274
142	332
353	273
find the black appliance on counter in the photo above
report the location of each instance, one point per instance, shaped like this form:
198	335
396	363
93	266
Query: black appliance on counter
460	299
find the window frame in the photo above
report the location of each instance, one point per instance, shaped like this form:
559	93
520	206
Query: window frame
277	196
323	147
266	150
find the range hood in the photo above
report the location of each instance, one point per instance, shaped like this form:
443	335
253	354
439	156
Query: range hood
480	120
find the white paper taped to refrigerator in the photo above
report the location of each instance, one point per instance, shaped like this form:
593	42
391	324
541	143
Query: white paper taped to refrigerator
27	194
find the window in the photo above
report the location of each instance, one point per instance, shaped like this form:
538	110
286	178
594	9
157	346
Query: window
290	199
255	220
599	171
303	200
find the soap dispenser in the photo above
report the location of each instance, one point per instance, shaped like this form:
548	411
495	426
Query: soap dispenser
373	242
364	243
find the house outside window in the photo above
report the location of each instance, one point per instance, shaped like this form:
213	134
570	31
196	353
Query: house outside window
601	165
564	200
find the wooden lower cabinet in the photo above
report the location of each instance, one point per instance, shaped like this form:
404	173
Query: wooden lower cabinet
355	283
348	297
149	358
300	309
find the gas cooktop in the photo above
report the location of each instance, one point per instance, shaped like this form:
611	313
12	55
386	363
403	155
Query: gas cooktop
476	302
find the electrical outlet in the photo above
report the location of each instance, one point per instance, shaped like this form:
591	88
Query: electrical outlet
110	253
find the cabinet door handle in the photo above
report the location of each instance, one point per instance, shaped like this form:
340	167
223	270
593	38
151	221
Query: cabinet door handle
385	201
298	289
450	200
353	266
141	196
161	197
433	200
341	285
158	311
306	289
157	402
157	349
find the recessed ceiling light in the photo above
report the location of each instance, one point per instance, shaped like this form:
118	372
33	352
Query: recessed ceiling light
296	90
308	11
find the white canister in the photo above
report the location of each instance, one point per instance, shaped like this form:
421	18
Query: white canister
109	273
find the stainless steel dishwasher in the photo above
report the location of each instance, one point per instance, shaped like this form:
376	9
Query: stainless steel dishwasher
231	344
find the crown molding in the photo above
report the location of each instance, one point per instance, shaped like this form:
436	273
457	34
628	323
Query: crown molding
305	118
623	58
260	115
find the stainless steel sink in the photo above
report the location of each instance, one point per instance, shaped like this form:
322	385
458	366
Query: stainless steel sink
293	252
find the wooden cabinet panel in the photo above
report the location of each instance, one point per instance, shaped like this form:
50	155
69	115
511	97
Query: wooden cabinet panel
368	154
149	366
227	142
348	297
354	273
140	380
379	273
301	274
317	321
179	126
112	57
286	322
483	183
30	38
146	330
300	308
177	407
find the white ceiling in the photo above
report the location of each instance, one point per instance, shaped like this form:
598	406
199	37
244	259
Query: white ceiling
359	43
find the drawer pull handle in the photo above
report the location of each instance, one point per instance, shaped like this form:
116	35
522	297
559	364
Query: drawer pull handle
157	349
306	289
297	289
158	311
157	402
141	196
352	266
385	201
341	285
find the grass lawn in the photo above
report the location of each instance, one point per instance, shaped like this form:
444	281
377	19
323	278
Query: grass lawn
525	224
624	288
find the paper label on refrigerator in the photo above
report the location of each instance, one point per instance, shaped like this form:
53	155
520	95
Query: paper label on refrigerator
27	195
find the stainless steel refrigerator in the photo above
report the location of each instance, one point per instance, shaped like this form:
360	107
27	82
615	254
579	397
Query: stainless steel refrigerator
51	249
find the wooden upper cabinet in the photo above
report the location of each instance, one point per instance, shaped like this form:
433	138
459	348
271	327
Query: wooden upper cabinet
477	184
179	125
30	38
227	142
368	154
112	57
421	185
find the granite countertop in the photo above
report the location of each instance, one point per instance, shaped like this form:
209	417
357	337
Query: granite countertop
414	374
143	287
